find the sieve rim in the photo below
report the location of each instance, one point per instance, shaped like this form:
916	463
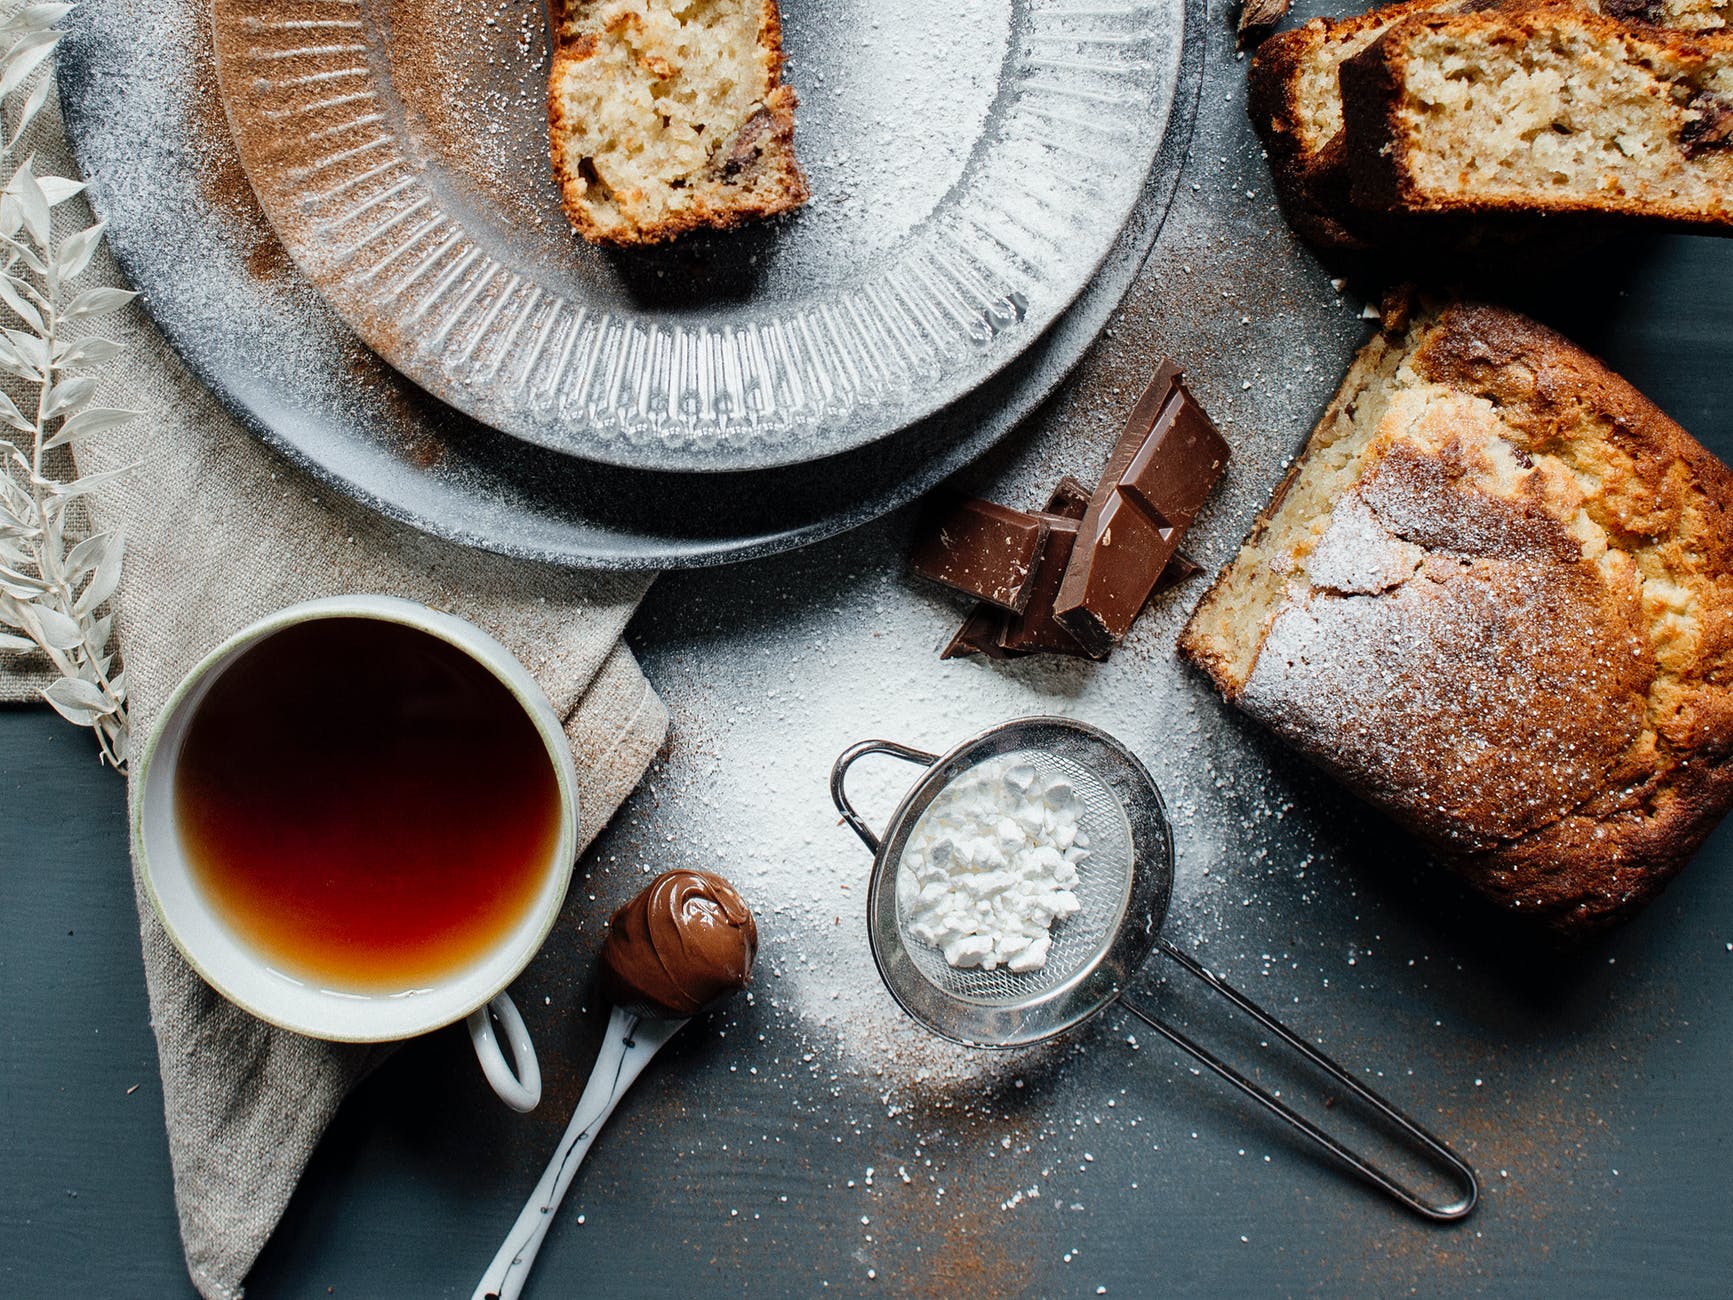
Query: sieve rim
1096	983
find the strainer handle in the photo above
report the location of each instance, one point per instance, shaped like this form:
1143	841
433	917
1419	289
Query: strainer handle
1448	1160
839	770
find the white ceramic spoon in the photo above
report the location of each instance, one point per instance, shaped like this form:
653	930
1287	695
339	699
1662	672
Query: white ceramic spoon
629	1044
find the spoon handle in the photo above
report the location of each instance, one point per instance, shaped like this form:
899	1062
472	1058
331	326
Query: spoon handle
627	1047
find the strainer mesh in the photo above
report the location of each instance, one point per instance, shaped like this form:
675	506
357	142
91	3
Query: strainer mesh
1103	886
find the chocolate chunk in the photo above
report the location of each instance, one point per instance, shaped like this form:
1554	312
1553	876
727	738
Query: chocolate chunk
1070	499
746	146
1180	568
1258	15
1158	477
1711	128
981	549
1035	628
1633	11
980	635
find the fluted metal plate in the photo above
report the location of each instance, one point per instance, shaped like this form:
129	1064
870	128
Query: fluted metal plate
971	163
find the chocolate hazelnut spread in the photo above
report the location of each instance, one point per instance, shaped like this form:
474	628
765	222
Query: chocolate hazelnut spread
680	947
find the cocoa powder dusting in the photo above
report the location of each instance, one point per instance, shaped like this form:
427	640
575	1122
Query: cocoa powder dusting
222	180
470	79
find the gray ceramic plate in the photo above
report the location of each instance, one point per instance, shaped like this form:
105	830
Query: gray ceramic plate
971	166
138	90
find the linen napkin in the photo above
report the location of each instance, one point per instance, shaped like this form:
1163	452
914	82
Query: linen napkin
220	530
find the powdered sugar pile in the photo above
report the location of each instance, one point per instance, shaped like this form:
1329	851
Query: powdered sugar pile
990	866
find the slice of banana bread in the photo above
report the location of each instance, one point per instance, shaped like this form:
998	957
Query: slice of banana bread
670	115
1494	596
1295	101
1542	111
1296	107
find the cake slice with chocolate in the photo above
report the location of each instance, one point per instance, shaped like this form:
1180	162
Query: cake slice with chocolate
668	116
1542	110
1494	596
1295	101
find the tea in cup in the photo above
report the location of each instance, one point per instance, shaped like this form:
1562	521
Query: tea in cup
357	819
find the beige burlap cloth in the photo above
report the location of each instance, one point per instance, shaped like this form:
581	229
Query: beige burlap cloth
219	532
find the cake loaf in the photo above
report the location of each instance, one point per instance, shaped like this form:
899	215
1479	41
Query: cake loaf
1542	110
1494	597
668	116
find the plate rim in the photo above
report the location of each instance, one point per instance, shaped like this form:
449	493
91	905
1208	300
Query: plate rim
656	454
636	553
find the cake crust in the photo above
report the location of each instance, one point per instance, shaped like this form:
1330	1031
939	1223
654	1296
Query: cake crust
1512	629
1295	106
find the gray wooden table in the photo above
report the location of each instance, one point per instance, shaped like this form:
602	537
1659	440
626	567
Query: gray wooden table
1590	1090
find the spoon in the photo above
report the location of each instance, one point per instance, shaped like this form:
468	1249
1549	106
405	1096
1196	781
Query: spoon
681	947
630	1043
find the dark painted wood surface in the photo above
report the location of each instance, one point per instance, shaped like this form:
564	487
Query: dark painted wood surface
1590	1090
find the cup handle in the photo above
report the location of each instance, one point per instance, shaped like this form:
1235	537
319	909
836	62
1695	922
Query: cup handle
520	1089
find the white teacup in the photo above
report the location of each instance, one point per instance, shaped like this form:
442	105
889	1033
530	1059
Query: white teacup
247	979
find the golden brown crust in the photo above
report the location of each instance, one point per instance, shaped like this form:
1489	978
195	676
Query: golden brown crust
1668	497
1311	182
1543	685
767	136
1377	148
1311	174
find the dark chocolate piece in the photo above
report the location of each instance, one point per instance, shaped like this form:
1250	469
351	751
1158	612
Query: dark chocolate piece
980	635
1035	628
1711	128
981	549
1180	568
1070	499
1158	477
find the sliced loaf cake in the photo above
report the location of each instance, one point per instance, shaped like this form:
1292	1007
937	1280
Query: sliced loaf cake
1296	106
1294	97
1542	111
1494	597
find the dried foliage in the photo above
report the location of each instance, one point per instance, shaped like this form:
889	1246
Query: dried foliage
54	585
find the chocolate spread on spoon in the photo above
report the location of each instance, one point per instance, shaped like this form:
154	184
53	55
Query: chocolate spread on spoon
680	947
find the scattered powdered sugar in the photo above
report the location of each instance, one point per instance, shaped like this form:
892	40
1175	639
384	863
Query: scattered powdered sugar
773	669
765	701
990	866
190	222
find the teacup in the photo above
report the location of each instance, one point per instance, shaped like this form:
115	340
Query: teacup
207	930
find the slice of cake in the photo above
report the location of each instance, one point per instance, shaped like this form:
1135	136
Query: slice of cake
668	116
1494	596
1296	106
1542	110
1295	101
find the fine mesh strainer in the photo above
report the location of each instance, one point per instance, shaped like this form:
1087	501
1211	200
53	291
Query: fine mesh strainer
1123	887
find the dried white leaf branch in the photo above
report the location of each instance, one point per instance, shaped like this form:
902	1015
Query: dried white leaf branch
54	586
